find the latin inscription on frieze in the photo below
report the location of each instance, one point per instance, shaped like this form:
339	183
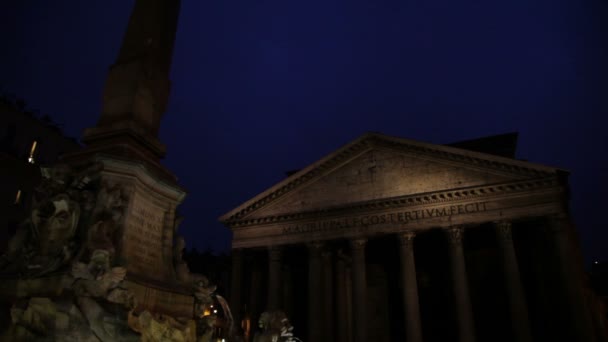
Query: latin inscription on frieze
143	239
401	217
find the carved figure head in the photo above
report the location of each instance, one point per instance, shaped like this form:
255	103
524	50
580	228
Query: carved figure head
54	222
100	262
111	203
272	321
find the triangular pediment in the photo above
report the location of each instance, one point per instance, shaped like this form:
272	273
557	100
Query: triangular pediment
376	167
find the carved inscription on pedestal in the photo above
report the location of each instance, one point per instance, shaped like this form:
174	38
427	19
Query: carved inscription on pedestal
178	304
143	239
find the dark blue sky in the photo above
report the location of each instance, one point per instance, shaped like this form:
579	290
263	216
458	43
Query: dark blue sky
262	87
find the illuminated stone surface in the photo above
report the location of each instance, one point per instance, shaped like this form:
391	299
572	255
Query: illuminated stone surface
366	202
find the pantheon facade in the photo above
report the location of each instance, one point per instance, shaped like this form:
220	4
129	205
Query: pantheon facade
389	239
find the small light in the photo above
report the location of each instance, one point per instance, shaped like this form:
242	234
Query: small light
214	311
18	197
32	151
596	262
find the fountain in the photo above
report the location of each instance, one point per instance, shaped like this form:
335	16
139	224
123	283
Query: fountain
99	258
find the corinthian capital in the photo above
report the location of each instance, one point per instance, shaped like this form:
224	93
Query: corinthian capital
358	243
503	230
455	234
406	239
315	246
274	252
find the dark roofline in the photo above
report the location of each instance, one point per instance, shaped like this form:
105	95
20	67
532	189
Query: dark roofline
504	145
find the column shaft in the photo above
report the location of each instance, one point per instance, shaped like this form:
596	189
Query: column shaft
571	278
255	301
410	288
274	278
515	292
359	290
328	299
350	314
341	299
464	311
235	287
314	292
287	291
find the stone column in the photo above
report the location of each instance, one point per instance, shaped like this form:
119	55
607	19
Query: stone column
350	320
287	291
328	298
517	299
571	278
274	278
235	286
410	288
314	292
255	302
464	311
359	289
341	298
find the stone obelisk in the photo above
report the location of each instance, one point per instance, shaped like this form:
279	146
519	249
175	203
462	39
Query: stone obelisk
98	256
125	141
137	88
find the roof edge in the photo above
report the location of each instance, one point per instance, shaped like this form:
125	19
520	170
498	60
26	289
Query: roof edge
367	141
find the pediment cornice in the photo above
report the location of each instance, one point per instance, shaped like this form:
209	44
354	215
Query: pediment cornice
476	193
466	158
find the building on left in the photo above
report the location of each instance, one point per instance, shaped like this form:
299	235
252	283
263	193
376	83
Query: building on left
26	142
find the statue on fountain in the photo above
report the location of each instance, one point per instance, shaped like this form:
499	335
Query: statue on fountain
72	288
72	235
275	327
47	240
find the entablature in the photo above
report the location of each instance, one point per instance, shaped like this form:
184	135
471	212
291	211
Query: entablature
467	206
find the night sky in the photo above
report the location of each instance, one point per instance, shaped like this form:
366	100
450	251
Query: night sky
266	86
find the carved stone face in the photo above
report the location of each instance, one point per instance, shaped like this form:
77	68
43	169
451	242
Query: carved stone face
263	321
111	198
55	223
100	262
273	321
